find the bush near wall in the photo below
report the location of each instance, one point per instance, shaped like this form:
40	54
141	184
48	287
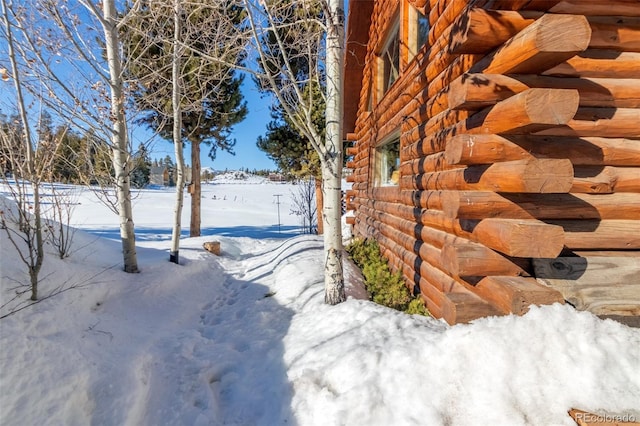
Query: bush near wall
386	288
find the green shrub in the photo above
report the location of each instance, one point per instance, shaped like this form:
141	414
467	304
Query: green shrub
385	287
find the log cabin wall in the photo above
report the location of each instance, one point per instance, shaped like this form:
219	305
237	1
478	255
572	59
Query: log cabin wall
519	142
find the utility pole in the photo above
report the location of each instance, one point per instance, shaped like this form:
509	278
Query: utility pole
278	203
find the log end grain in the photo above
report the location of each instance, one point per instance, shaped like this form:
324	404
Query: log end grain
212	247
555	106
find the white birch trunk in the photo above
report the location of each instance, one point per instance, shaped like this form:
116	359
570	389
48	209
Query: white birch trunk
120	138
174	255
332	162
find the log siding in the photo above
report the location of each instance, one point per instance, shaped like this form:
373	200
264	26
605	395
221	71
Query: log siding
519	140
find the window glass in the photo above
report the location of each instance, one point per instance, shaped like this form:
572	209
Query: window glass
422	30
387	162
391	59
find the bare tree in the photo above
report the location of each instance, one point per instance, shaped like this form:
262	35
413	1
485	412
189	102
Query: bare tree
75	70
25	228
304	200
185	51
309	32
58	230
176	85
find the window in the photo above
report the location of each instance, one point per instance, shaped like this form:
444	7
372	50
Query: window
418	31
390	59
422	30
387	163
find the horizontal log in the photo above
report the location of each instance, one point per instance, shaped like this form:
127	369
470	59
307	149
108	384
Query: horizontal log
600	234
516	294
481	205
451	297
465	308
428	235
531	110
454	308
528	176
594	151
424	199
480	31
599	64
540	5
605	180
352	137
528	111
430	163
549	41
615	33
468	259
597	7
476	91
599	122
458	66
351	220
517	238
352	150
442	16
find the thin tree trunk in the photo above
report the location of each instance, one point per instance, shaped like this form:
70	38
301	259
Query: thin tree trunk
319	204
332	162
120	138
36	254
196	186
174	255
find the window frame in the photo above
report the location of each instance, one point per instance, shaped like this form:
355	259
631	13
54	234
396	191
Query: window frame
393	36
414	43
383	176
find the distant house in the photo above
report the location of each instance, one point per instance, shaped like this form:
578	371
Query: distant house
276	177
496	155
160	176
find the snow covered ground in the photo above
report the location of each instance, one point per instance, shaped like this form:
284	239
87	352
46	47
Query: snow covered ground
245	338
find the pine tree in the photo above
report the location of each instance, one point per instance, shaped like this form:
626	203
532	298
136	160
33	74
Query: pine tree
211	91
141	172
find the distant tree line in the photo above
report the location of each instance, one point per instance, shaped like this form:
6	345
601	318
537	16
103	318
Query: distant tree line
74	157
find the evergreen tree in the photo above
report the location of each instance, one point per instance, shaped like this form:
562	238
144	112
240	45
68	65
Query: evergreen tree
70	162
141	172
211	91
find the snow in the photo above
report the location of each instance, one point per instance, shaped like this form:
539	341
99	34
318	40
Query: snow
246	339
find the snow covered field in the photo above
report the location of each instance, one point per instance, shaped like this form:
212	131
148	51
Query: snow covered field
245	338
